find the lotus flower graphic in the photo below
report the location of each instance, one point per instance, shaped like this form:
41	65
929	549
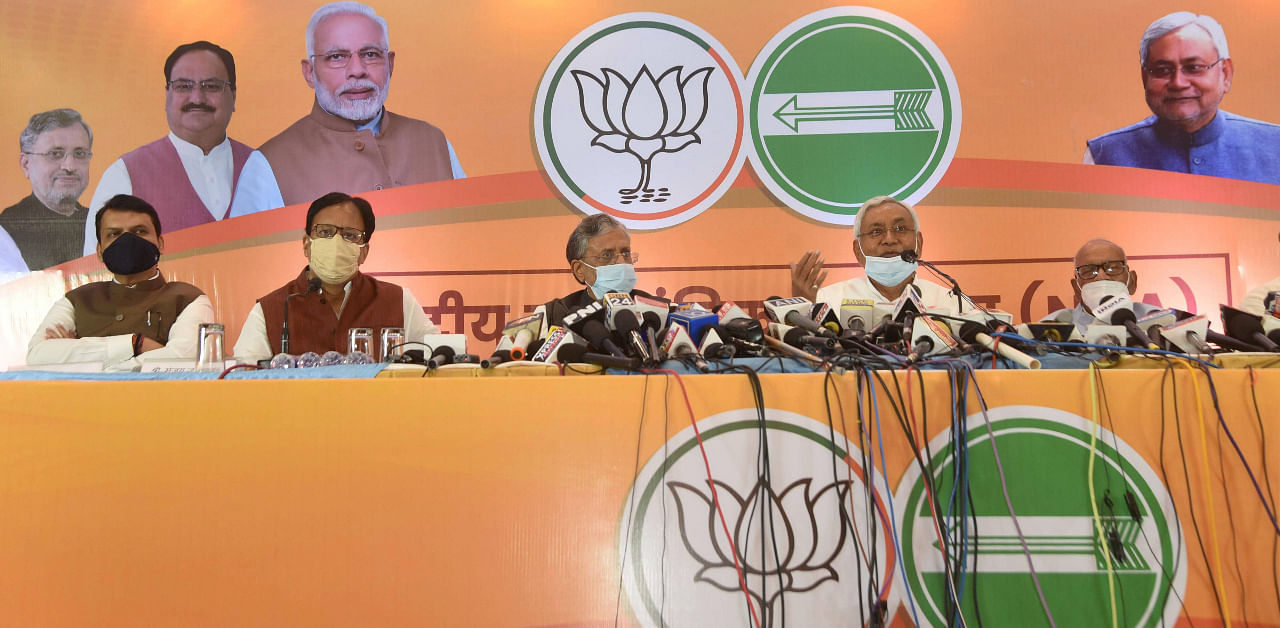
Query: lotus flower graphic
644	116
804	558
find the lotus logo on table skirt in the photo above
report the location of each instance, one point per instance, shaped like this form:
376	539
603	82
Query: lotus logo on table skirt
641	116
793	538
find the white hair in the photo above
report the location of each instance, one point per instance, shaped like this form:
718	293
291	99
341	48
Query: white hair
343	8
877	201
1181	19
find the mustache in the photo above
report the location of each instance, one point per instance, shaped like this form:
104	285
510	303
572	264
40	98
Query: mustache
197	107
357	85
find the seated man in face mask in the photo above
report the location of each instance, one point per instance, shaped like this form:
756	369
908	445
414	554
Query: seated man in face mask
1101	271
883	229
135	315
330	296
600	257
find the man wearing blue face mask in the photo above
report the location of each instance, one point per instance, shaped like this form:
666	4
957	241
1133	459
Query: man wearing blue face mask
883	229
135	315
600	258
1101	271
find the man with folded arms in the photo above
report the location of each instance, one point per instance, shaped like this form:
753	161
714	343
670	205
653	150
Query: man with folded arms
331	296
137	314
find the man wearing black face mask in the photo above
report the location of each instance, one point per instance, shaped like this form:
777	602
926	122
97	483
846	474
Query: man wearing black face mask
137	313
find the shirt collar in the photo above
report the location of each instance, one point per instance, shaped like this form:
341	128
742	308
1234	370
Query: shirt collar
189	150
374	125
151	278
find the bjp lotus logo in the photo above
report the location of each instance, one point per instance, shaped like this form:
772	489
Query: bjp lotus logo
643	116
798	553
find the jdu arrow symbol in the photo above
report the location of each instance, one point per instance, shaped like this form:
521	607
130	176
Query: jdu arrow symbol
907	109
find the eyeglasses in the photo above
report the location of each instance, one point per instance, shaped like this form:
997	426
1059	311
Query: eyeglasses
321	231
1166	70
609	257
57	155
879	232
1113	268
208	86
338	59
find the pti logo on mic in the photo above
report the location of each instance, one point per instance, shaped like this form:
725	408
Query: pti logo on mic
850	103
641	116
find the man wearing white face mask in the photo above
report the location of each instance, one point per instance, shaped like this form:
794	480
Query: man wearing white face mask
600	258
1101	271
330	296
883	229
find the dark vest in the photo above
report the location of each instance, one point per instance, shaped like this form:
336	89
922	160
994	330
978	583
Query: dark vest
44	237
1229	146
106	308
312	325
157	176
323	153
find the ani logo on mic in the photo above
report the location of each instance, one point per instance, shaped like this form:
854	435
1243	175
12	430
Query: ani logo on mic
800	539
641	116
850	103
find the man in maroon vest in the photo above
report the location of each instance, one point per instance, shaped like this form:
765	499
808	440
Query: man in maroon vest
330	296
135	315
349	142
190	175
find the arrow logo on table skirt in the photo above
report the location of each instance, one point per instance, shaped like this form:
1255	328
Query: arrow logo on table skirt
1057	544
907	110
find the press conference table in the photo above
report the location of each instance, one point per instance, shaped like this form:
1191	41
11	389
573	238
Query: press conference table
495	501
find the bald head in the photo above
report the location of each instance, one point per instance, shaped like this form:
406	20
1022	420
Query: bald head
1100	260
1098	250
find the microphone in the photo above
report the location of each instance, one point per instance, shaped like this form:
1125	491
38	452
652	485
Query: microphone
696	322
1103	334
312	286
1188	335
625	323
714	347
443	355
557	338
677	344
974	332
1246	327
597	335
797	338
929	337
746	334
911	256
1154	324
794	311
856	315
580	354
729	310
1119	311
521	331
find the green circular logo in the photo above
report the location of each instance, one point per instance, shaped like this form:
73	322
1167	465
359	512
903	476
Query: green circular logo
1130	540
847	104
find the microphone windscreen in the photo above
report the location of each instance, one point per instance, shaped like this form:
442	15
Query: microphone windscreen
313	285
909	256
595	332
443	351
571	353
626	321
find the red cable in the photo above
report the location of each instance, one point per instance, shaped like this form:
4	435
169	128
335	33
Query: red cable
742	579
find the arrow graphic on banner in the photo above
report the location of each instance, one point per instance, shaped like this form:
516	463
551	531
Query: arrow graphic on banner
1051	550
907	111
